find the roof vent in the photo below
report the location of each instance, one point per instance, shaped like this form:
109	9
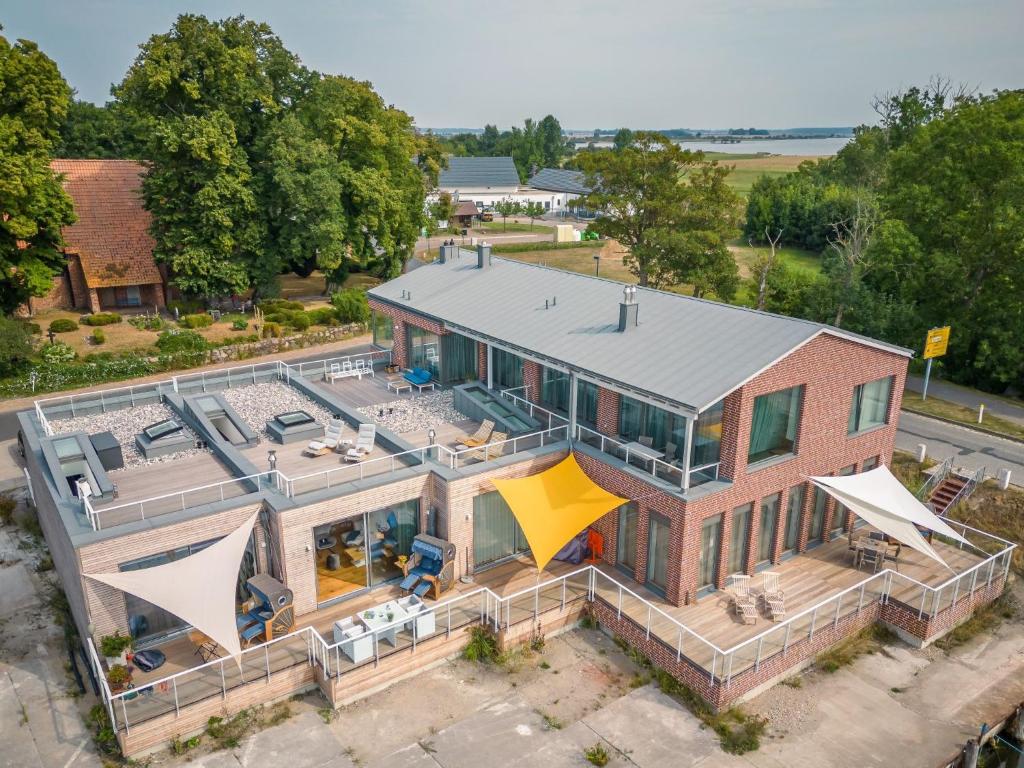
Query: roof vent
628	308
483	255
449	250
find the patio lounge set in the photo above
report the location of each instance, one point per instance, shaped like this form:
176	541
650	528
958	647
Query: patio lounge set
744	601
357	636
485	435
874	549
333	441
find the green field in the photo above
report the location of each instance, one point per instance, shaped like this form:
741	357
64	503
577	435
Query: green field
796	258
746	169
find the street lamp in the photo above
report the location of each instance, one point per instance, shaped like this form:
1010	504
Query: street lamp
597	265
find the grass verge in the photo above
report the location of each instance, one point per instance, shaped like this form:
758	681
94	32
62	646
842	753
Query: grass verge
985	619
998	512
960	414
869	640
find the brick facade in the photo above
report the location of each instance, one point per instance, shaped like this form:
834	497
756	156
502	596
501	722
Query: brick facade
400	318
481	361
532	377
607	411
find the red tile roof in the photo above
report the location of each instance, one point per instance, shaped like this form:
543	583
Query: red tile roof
111	235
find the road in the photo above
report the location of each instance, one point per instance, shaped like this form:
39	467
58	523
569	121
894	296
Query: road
970	449
970	398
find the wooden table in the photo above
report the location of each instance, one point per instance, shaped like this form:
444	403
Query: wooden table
397	384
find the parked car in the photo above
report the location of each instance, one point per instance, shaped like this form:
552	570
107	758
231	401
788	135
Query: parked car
486	216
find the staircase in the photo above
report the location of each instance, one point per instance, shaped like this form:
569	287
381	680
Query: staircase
941	499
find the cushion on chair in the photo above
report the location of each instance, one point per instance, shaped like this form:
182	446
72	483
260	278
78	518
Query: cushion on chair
421	589
409	581
251	632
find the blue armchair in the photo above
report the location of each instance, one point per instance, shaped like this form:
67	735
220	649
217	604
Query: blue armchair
430	567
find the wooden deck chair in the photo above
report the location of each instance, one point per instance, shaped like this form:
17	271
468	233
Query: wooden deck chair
482	434
743	604
492	449
772	595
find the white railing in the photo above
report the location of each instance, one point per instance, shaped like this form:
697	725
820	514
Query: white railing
315	368
967	489
654	466
461	457
937	476
353	471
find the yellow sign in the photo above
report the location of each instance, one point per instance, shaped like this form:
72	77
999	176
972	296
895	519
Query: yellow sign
936	342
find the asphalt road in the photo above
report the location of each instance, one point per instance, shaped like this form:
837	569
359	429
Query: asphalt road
970	449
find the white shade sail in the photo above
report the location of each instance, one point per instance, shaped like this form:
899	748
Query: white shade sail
199	589
880	499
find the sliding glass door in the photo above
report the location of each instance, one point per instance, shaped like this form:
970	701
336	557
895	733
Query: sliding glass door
508	370
657	552
625	542
424	350
554	390
739	542
458	359
496	533
794	508
816	534
769	522
363	550
710	541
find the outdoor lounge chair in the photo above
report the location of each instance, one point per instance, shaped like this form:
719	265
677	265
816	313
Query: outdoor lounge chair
330	441
491	449
743	604
772	596
363	369
354	641
364	443
430	567
481	436
420	378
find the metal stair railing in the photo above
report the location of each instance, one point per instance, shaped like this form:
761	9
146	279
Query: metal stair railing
941	473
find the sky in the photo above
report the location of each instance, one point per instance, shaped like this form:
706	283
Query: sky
641	64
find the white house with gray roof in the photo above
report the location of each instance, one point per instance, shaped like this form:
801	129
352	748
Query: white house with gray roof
486	181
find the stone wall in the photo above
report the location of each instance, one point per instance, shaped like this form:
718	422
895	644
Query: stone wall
300	341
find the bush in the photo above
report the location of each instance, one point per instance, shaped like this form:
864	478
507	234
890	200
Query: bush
63	325
186	306
172	342
98	336
118	675
15	345
147	322
300	321
7	506
112	645
196	321
239	324
33	328
101	318
482	645
351	305
280	305
58	352
272	330
323	316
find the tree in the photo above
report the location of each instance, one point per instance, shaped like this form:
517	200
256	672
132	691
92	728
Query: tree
623	138
533	210
552	144
33	103
443	208
505	208
15	345
849	244
670	207
764	264
95	132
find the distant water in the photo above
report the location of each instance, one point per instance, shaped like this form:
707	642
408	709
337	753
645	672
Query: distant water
824	146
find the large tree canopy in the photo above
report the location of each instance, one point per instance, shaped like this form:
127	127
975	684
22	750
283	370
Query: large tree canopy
261	166
535	145
33	102
670	207
94	132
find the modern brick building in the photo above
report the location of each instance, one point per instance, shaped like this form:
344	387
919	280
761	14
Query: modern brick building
708	418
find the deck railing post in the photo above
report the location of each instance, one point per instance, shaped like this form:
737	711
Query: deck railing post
924	596
536	603
714	663
337	660
974	581
839	606
124	711
860	601
448	632
266	657
757	659
679	645
620	604
814	615
563	594
223	683
991	570
956	592
174	686
649	612
785	643
937	596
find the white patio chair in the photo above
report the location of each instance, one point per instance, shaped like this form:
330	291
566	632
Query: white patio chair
364	443
329	442
357	644
363	369
743	604
772	595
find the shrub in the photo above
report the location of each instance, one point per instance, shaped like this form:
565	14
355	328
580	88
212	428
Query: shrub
63	325
300	321
239	324
482	645
15	345
351	305
323	316
98	336
597	755
118	675
7	507
147	322
196	321
171	342
33	328
279	305
272	330
186	306
101	318
58	352
112	645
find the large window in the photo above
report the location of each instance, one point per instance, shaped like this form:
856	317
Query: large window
839	516
707	444
508	369
816	532
710	541
740	538
383	330
363	550
794	508
586	403
554	390
458	359
870	406
775	424
149	623
424	350
769	522
496	533
651	425
625	542
657	552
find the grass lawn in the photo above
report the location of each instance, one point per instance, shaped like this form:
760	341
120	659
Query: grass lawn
748	168
933	406
490	227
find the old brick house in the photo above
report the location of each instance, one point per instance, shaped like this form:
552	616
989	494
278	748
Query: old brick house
109	250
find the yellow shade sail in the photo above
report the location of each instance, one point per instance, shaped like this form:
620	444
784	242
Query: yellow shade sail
555	505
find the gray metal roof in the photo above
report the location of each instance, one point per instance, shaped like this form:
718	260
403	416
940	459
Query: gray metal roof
560	180
479	172
689	351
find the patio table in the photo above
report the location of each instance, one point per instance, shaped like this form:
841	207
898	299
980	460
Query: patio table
645	451
379	619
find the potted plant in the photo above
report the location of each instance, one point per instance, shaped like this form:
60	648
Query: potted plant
115	648
118	677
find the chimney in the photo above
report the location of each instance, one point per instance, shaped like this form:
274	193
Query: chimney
483	255
447	252
628	308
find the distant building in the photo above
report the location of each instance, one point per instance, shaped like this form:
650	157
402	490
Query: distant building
485	181
109	249
566	186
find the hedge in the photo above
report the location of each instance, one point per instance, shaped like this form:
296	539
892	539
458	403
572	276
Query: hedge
101	318
63	325
351	305
196	321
